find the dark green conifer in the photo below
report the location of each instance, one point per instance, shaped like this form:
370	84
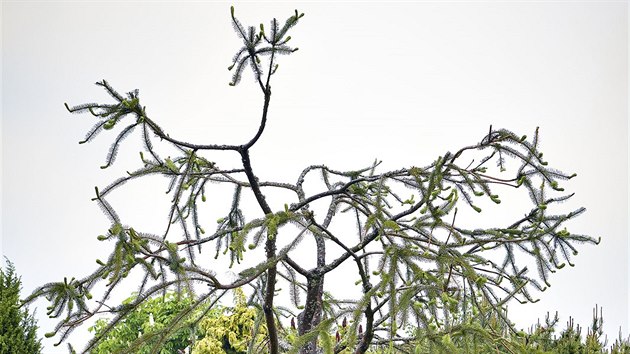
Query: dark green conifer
18	328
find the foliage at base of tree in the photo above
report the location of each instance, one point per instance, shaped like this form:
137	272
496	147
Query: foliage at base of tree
232	332
479	330
18	328
141	329
491	336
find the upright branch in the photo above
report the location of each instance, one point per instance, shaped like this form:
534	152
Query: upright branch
251	53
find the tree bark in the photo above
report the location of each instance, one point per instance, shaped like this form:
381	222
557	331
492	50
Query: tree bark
312	314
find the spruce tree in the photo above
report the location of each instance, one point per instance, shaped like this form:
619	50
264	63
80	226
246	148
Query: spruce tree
415	263
18	328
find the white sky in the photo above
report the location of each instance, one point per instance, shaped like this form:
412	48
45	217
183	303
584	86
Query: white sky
402	82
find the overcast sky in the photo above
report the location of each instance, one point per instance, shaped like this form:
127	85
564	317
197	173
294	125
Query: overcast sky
401	82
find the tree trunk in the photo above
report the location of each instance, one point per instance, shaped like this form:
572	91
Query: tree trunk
312	314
